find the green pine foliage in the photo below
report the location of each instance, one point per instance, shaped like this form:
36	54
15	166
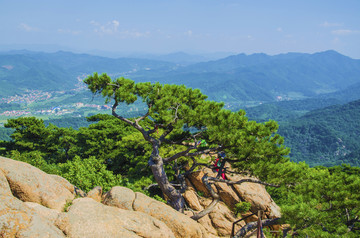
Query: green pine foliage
96	155
316	202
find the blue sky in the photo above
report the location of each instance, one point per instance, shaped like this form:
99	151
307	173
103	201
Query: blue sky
193	26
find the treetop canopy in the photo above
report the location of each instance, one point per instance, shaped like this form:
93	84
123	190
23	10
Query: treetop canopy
172	107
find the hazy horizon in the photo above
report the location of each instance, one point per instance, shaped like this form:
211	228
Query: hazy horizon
193	27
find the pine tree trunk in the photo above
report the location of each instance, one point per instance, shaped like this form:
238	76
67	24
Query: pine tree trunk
156	164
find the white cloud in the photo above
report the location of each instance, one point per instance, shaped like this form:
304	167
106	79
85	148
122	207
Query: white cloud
109	28
113	28
279	29
344	32
27	28
328	24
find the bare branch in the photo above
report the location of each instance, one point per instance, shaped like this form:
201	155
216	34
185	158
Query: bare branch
187	154
201	152
243	181
176	111
177	155
118	116
114	85
216	199
145	134
143	117
167	132
252	225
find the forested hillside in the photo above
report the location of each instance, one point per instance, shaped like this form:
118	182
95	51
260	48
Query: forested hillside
327	136
287	110
26	70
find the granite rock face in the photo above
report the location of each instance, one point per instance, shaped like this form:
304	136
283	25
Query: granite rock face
88	218
222	217
36	204
19	220
30	184
180	224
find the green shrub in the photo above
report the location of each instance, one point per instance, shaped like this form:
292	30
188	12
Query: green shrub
242	207
88	173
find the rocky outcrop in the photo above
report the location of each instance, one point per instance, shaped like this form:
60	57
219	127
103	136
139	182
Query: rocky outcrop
30	184
257	196
47	213
180	224
33	205
222	217
88	218
33	202
18	220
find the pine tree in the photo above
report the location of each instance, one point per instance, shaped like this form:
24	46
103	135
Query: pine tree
180	117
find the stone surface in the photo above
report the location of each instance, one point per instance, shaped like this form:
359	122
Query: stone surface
95	193
123	212
195	179
66	184
191	198
180	224
120	197
221	218
47	213
257	196
4	185
88	218
30	184
207	224
18	220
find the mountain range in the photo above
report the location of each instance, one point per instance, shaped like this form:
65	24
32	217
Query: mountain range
237	80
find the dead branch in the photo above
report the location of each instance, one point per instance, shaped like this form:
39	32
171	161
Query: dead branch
252	225
212	205
243	181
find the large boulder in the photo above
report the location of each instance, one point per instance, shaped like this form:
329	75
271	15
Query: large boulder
180	224
226	193
196	180
95	193
30	184
253	193
257	196
91	219
18	220
120	197
191	197
221	218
